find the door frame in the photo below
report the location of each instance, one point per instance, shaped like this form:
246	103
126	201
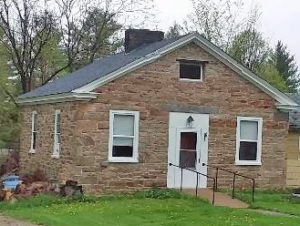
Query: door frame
176	126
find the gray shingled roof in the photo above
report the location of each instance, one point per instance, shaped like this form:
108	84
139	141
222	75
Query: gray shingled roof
294	115
99	68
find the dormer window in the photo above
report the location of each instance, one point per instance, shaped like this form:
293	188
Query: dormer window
191	70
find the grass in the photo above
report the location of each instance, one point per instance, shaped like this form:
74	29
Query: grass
279	201
154	207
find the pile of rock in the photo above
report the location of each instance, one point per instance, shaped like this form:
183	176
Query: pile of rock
7	195
69	189
34	188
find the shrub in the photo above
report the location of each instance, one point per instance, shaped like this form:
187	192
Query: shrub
37	175
11	164
159	193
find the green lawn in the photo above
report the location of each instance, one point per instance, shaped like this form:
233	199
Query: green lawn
150	208
279	201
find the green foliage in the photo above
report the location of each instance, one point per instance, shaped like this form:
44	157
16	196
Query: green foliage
158	193
36	201
8	110
269	73
97	37
51	59
286	66
249	48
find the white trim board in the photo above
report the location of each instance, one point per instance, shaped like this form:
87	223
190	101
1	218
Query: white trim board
284	102
256	162
135	137
56	98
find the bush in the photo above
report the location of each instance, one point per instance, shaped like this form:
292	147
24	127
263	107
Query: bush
159	193
11	164
37	175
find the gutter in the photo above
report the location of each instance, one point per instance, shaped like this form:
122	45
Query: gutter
287	108
56	98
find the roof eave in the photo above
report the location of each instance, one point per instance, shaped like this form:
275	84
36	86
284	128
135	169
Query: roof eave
56	98
287	108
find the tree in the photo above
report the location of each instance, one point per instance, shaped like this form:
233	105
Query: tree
250	49
89	28
25	33
286	66
51	59
97	33
79	30
8	109
174	31
269	73
220	21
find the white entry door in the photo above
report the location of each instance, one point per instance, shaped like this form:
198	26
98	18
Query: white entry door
188	148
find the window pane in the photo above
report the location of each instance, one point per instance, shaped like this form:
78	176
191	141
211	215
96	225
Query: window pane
34	135
188	143
248	150
249	130
190	71
188	140
123	125
57	148
188	159
58	123
34	122
122	147
58	139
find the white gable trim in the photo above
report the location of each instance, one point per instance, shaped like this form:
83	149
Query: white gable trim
57	98
283	100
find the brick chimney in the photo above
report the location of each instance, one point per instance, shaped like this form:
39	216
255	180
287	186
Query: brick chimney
137	37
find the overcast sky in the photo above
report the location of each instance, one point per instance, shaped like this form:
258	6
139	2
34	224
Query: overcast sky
280	19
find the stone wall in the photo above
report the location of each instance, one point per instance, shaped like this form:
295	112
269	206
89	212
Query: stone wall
154	91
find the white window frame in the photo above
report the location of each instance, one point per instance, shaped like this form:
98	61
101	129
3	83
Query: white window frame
189	79
32	150
56	145
259	141
135	136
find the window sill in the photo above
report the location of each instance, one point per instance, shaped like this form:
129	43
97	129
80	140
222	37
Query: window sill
32	151
247	163
109	162
55	156
189	80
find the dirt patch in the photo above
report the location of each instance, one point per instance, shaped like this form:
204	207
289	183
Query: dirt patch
7	221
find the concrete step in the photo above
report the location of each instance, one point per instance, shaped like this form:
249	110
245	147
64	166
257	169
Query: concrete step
221	199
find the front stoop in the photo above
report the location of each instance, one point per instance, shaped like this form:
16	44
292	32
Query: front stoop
221	199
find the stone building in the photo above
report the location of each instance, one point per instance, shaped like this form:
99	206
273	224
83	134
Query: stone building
116	124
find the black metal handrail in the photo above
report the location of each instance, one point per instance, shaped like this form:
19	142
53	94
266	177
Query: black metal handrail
197	183
233	181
